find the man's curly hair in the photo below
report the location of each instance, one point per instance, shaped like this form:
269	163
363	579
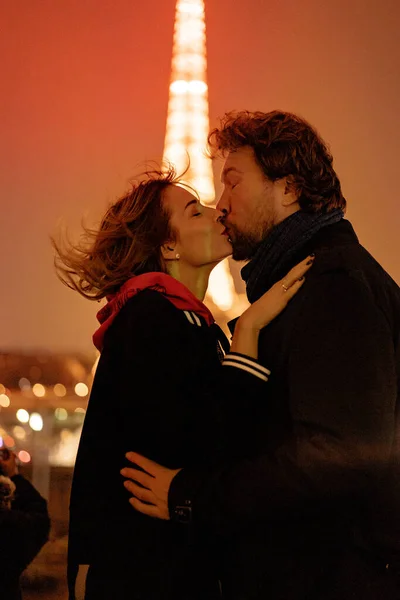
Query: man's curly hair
284	145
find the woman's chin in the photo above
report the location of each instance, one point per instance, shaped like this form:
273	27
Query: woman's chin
222	256
226	251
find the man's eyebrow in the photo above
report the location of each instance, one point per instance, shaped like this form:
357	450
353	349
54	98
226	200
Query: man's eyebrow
226	171
194	201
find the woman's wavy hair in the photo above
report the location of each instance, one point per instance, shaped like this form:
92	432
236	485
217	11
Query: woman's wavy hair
127	243
284	145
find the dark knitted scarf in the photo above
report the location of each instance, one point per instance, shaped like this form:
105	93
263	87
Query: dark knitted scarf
276	252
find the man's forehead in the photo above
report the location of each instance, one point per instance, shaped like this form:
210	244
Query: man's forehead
229	169
236	159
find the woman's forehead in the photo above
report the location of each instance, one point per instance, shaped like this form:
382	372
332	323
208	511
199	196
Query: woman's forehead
178	197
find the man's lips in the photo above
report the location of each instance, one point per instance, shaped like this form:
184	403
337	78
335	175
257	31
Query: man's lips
225	232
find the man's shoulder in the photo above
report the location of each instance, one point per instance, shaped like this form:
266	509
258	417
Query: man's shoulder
355	262
338	250
349	280
345	258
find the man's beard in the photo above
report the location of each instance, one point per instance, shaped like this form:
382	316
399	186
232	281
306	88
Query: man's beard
245	245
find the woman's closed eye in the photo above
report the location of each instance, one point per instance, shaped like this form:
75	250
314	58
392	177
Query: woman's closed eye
197	210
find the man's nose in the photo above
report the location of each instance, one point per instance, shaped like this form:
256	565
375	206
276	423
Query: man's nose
223	205
220	215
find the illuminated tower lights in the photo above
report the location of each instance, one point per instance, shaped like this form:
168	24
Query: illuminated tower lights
188	123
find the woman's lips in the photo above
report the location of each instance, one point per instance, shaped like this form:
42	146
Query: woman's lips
226	234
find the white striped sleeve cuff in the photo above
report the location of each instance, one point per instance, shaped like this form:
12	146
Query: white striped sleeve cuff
239	361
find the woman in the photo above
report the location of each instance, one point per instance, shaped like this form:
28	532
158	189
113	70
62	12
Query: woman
159	386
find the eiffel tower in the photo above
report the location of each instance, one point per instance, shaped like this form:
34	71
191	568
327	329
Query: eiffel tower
188	124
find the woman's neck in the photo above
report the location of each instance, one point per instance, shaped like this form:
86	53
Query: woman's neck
194	278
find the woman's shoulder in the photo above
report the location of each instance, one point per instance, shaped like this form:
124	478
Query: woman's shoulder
149	315
153	304
150	302
151	320
149	310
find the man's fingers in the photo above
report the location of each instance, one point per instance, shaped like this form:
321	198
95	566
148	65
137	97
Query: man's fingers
147	509
144	463
144	478
141	493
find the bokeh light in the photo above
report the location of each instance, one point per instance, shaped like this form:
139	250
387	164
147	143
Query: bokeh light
81	389
24	456
19	432
4	400
60	390
24	384
36	422
22	415
61	414
39	390
8	441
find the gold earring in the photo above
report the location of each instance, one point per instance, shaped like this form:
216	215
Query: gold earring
177	256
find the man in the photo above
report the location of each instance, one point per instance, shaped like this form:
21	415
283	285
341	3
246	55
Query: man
24	525
311	510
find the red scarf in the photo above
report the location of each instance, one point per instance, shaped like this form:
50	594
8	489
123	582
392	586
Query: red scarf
169	287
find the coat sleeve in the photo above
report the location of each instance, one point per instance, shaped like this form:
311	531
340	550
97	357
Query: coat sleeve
342	390
169	390
24	528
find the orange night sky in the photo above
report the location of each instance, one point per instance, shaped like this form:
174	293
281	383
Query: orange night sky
84	102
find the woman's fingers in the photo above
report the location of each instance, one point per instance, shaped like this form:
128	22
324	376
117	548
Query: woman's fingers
274	301
293	289
297	273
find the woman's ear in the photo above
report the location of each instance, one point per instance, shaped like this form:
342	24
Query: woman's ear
168	251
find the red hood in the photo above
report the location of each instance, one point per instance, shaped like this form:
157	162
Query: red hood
169	287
